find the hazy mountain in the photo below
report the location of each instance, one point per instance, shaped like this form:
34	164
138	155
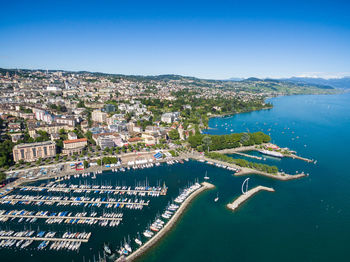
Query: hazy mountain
333	82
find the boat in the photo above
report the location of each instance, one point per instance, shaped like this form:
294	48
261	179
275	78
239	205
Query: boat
138	240
217	198
271	153
206	176
107	249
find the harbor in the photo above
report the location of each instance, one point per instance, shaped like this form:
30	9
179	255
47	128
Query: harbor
112	197
204	186
99	200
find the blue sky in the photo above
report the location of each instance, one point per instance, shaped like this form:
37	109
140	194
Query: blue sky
208	39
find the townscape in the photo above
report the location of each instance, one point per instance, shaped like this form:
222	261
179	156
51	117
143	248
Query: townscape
61	131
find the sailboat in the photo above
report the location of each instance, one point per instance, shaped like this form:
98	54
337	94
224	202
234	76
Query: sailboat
217	198
245	186
206	176
107	249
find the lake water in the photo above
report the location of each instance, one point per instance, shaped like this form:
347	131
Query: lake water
304	220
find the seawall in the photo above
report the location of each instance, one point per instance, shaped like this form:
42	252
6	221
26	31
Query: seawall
242	198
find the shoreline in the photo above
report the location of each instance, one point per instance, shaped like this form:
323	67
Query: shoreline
254	148
169	225
249	171
250	193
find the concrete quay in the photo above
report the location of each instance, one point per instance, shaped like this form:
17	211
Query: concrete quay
242	198
168	226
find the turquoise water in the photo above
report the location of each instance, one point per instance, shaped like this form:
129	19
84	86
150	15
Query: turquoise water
304	220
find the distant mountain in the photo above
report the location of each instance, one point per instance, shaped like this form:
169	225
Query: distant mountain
333	82
235	79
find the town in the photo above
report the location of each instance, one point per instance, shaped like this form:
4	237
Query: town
52	117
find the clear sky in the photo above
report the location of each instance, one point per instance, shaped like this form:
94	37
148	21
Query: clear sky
208	39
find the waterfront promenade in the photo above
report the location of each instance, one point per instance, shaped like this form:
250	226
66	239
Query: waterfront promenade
168	226
242	198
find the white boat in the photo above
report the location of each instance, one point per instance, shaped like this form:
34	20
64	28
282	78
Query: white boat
138	241
217	198
271	153
206	176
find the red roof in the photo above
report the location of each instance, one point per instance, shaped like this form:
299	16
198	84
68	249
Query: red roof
74	140
134	139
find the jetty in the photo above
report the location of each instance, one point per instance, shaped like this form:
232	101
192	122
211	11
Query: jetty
45	239
168	226
239	150
243	171
299	157
245	196
29	199
60	217
83	189
247	155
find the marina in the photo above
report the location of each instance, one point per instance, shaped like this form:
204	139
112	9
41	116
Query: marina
97	189
185	198
24	239
73	201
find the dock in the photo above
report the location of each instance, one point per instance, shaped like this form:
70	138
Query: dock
247	155
61	217
162	191
242	198
14	200
44	239
168	226
299	157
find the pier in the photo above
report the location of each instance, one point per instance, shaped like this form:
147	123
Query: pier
44	239
241	149
247	155
60	217
242	198
15	199
299	157
83	189
168	226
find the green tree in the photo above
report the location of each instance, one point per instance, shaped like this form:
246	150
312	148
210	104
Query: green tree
174	134
206	142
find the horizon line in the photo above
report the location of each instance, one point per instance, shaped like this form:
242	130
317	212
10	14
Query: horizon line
311	75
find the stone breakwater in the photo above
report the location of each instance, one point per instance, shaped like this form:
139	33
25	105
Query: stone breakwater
242	198
168	226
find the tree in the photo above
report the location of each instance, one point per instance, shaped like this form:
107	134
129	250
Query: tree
86	164
81	104
206	142
174	134
2	176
